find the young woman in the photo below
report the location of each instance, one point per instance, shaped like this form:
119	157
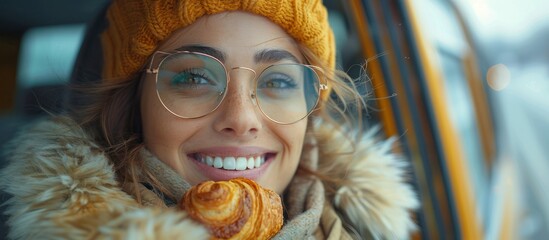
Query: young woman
189	91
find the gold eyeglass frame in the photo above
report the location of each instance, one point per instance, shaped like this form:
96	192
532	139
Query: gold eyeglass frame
155	69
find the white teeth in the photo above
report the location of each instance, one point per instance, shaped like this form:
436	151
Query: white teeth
250	163
241	163
233	163
218	162
209	161
257	162
229	163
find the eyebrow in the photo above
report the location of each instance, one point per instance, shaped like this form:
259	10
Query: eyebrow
206	50
266	55
274	55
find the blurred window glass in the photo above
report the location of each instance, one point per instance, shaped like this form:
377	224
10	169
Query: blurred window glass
462	115
48	54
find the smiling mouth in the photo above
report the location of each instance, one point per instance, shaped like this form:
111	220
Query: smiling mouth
235	163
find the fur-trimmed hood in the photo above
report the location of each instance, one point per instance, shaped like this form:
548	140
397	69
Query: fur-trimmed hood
371	193
62	185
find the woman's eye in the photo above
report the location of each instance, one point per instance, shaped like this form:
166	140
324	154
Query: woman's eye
189	78
278	81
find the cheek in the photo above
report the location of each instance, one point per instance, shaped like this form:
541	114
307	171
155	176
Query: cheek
163	133
295	139
292	138
152	112
166	135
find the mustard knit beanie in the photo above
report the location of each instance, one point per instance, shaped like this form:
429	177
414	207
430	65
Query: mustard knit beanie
136	27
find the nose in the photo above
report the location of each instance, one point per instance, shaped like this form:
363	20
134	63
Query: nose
238	115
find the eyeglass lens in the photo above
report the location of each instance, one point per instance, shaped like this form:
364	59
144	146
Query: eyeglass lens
192	85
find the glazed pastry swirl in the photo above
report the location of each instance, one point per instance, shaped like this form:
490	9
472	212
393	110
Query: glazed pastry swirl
235	209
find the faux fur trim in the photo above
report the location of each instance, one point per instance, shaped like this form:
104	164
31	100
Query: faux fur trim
370	191
63	187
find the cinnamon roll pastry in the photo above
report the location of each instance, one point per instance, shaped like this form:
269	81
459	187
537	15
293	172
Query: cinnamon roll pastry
235	209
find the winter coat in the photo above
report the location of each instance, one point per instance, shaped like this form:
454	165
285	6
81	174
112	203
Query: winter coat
62	186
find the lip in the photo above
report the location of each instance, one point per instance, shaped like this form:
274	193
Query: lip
216	174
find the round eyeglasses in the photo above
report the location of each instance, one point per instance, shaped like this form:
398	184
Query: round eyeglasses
193	84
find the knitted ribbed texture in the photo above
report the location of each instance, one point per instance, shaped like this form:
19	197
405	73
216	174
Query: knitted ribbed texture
136	27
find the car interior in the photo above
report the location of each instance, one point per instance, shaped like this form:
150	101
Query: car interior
41	44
